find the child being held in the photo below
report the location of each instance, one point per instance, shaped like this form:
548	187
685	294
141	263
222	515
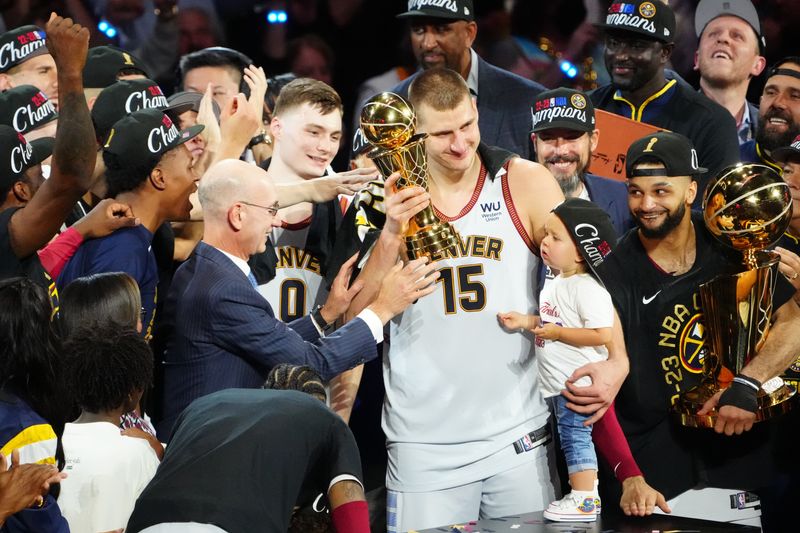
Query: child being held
572	329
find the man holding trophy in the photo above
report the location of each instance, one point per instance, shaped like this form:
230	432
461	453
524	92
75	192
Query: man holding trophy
703	348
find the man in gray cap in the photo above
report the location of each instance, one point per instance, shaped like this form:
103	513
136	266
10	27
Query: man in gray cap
730	53
442	34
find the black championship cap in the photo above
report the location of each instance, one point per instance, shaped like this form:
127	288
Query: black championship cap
782	154
190	101
360	144
562	108
19	155
145	135
653	19
26	108
104	63
440	9
708	10
671	149
126	96
21	44
590	227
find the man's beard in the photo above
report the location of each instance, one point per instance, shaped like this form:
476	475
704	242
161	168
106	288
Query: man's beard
770	141
569	184
672	221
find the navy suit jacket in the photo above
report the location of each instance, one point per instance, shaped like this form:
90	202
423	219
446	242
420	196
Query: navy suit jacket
504	107
225	335
612	197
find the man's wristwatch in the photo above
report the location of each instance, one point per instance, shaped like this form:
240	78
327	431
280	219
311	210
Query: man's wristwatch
316	316
262	137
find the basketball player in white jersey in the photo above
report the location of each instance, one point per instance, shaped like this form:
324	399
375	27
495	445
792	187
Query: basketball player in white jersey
306	130
467	429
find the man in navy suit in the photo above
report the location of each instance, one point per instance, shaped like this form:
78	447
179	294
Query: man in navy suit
226	334
442	36
565	136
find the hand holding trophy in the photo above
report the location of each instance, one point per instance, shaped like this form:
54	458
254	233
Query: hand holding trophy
747	208
388	123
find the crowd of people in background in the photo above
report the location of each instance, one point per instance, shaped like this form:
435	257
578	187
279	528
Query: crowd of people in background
211	320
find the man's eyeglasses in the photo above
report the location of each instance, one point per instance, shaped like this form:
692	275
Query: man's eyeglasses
272	210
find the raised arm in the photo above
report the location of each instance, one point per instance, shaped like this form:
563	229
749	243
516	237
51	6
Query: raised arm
32	227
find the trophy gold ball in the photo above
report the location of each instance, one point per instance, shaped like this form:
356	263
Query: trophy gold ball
748	207
388	120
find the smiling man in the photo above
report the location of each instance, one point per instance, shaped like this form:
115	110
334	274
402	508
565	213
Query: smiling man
639	39
729	55
779	115
25	60
306	130
148	168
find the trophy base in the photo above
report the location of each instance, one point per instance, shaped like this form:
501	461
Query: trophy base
431	241
774	399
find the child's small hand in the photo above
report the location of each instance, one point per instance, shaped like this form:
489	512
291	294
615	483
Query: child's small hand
548	331
514	321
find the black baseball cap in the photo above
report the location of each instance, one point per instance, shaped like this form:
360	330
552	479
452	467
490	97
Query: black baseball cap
144	135
126	96
21	44
785	152
562	108
104	63
18	155
590	228
673	150
451	9
26	108
708	10
190	100
360	144
649	18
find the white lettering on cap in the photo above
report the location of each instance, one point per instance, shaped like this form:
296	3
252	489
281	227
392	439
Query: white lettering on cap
10	53
20	155
26	118
449	5
551	113
590	233
634	21
161	137
141	100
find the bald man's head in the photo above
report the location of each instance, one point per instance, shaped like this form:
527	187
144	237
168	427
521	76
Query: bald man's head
240	207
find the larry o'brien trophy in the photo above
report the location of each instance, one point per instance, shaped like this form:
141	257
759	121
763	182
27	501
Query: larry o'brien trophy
748	208
388	123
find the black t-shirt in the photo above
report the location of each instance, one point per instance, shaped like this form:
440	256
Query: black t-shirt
241	459
792	374
666	341
30	267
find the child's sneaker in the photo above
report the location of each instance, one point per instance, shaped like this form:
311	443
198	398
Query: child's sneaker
574	508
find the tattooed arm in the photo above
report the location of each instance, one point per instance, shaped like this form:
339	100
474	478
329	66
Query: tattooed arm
74	152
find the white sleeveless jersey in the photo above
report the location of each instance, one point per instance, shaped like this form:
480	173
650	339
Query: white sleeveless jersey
459	389
297	287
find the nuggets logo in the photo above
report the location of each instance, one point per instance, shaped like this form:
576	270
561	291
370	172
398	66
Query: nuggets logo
692	346
578	101
647	10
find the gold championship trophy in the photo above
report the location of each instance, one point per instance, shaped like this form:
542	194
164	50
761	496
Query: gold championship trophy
388	123
748	208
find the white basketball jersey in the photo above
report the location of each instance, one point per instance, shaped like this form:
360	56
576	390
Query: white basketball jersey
459	389
297	287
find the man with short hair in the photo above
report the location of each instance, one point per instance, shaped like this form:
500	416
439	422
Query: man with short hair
221	67
446	469
226	334
564	136
639	39
148	168
779	114
728	56
442	34
653	277
306	129
25	60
